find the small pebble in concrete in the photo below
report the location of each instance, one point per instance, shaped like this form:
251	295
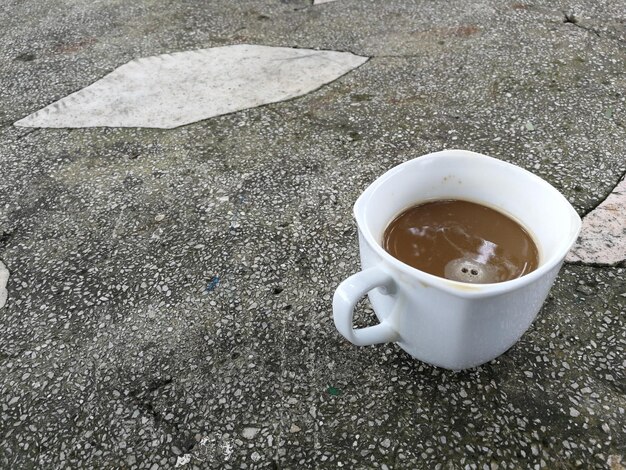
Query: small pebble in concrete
584	290
249	433
334	391
212	284
183	460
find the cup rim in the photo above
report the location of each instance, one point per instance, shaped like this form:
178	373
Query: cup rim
462	289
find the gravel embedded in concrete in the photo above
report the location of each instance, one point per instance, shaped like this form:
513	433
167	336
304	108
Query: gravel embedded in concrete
131	340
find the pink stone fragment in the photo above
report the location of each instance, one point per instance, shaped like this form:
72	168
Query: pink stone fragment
602	238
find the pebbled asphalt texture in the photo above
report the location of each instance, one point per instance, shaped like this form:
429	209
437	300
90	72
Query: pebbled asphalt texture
169	302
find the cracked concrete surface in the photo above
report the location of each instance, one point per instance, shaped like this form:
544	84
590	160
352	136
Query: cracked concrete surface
169	298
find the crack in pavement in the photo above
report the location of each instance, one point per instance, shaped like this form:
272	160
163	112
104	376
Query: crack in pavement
570	18
621	176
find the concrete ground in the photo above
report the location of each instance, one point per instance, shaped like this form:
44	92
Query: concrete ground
170	294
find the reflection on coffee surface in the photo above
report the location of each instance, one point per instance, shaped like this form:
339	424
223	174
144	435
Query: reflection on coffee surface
462	241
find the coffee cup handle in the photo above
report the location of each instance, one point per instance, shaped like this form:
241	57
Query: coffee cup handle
346	297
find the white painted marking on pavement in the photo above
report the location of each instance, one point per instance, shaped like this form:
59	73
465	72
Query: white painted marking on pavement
171	90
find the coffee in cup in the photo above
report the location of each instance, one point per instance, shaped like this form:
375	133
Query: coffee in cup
461	241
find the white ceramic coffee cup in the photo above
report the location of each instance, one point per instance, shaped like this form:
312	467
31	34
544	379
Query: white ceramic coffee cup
447	323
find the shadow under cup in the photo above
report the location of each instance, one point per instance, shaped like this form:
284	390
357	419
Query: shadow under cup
443	322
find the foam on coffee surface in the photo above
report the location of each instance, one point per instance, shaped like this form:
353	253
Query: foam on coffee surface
461	241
